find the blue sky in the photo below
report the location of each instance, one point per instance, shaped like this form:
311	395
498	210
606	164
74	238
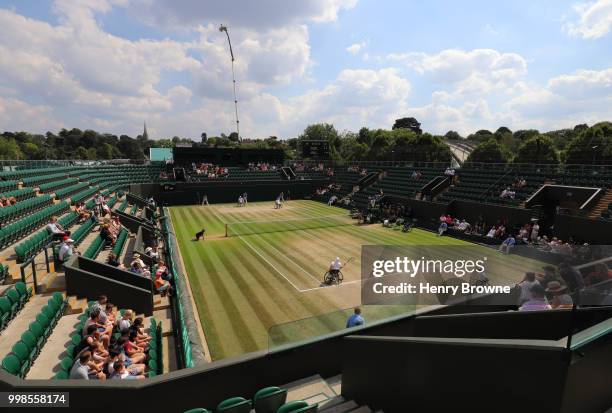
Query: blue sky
110	65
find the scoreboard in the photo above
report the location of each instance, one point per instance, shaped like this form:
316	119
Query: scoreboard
315	149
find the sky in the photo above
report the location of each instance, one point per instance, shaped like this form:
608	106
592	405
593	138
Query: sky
111	65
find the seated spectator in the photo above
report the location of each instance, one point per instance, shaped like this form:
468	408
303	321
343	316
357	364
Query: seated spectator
100	307
134	352
83	213
107	235
491	233
91	336
136	258
537	301
152	253
126	321
507	193
571	276
560	297
122	373
162	269
55	229
507	245
161	286
94	320
141	336
112	260
525	287
599	274
135	369
85	369
550	274
442	228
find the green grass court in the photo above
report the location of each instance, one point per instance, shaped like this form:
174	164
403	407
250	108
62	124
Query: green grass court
261	287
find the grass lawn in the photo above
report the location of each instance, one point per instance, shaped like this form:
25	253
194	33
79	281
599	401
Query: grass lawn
264	289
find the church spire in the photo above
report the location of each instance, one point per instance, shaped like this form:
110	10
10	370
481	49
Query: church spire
145	135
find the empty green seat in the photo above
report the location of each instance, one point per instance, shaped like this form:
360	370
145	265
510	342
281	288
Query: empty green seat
30	340
23	291
66	364
269	399
234	405
62	375
24	355
11	364
13	297
297	406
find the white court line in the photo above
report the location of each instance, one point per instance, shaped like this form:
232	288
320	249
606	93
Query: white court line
258	253
215	212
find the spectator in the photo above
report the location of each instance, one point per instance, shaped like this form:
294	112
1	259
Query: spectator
112	260
107	235
442	228
537	301
550	274
66	249
122	373
560	297
55	229
161	286
599	274
571	276
152	253
84	369
126	321
356	319
525	287
507	245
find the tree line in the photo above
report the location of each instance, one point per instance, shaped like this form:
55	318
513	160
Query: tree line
405	141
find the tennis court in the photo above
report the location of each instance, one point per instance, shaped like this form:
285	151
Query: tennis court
261	285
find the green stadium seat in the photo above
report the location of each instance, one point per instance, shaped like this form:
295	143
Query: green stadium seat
39	332
23	291
11	364
13	297
297	406
234	405
66	364
24	355
30	340
269	399
62	375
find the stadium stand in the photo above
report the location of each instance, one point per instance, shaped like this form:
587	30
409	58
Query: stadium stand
43	327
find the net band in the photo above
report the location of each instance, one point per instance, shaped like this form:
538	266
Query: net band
261	227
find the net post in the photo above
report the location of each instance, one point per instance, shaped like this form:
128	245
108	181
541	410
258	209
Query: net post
226	229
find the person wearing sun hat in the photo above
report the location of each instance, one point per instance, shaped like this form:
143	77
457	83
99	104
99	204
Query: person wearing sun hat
560	297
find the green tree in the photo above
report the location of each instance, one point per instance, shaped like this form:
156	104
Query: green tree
538	150
591	146
489	151
482	135
408	123
452	135
524	134
9	149
81	153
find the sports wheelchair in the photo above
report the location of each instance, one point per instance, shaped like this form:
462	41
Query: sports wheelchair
333	277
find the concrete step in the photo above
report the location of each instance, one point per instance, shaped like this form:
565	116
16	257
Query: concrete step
331	402
347	406
47	363
169	353
76	305
165	317
335	383
308	387
362	409
161	303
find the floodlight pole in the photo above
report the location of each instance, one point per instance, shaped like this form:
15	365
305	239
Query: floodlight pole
223	28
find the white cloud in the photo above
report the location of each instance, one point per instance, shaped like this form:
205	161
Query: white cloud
594	20
355	48
260	15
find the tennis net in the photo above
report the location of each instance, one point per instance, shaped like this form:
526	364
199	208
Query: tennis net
295	224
